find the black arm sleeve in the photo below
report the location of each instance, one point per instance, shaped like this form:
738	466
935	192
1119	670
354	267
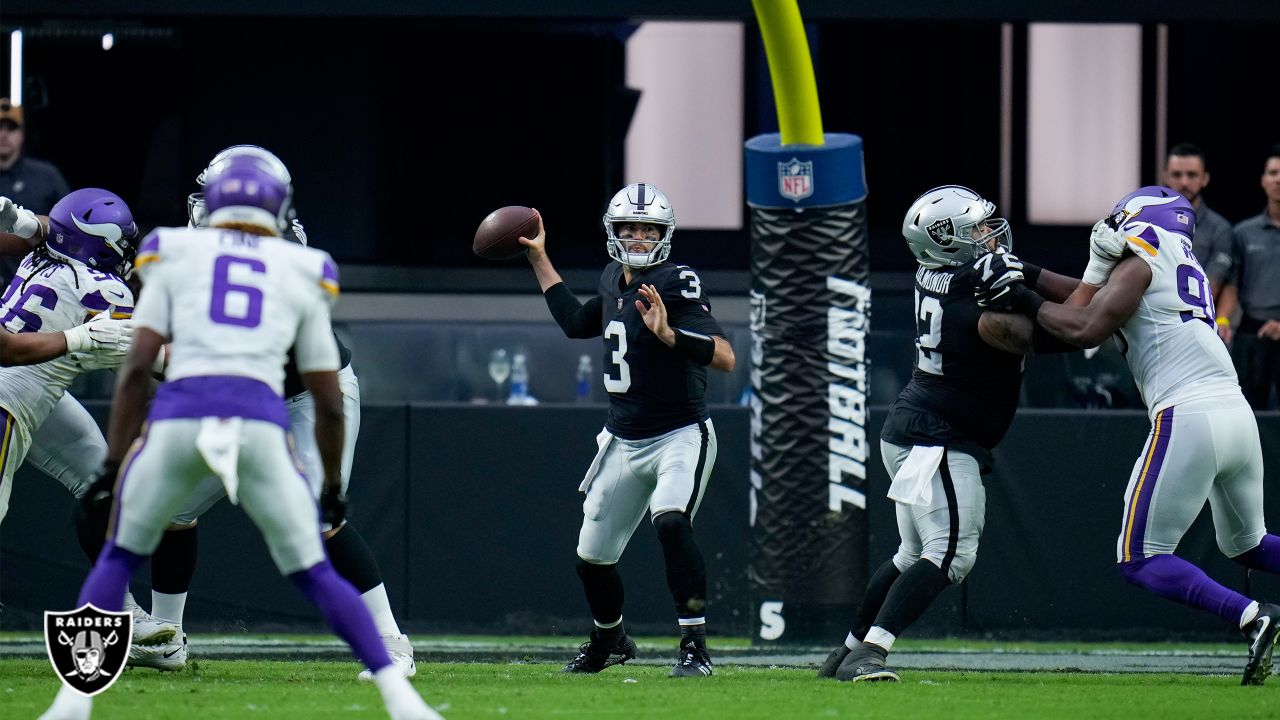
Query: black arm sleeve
1044	343
575	319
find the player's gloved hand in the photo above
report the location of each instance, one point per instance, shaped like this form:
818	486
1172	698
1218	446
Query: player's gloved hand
333	506
102	335
997	273
17	220
1106	247
94	507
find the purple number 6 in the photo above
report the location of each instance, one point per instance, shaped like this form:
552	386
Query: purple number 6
223	287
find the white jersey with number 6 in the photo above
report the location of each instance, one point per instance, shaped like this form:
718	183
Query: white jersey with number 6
1172	346
232	303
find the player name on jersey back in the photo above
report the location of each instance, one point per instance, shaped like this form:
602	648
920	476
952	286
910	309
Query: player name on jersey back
233	303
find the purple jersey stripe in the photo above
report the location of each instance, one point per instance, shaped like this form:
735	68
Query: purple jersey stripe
150	244
1140	503
95	301
9	429
129	457
330	271
219	396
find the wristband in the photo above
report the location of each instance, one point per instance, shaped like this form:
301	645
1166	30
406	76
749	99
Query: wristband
1223	321
698	348
1026	301
78	339
1031	273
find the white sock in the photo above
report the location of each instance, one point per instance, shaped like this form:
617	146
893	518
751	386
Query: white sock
380	608
1250	614
129	602
69	703
167	607
879	636
852	642
607	626
393	686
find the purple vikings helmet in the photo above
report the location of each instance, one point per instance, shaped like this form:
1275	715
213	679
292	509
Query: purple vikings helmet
245	191
1152	211
95	227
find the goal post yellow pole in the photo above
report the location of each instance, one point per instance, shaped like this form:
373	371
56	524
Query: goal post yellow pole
795	90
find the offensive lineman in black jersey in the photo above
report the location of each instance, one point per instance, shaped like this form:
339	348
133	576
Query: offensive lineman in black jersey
936	443
658	446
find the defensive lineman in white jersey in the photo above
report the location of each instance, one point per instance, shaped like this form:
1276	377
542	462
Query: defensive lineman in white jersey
77	272
1144	284
231	300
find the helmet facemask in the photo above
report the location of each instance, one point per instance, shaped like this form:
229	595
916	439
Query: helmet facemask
639	203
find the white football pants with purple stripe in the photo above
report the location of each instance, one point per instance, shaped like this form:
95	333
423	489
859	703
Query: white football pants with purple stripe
302	430
164	467
668	473
1205	449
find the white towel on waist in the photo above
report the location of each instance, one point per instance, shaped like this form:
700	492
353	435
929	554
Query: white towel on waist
602	441
219	444
913	483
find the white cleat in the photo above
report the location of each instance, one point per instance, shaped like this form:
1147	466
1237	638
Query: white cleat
148	630
169	656
401	653
68	705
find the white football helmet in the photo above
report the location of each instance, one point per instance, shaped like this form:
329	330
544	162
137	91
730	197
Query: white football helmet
639	202
952	225
196	211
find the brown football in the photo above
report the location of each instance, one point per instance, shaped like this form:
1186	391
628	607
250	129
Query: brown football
497	236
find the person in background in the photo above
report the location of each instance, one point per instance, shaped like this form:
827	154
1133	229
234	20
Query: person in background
1187	171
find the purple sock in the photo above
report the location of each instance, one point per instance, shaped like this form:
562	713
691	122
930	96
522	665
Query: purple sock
1266	556
109	579
1169	576
344	612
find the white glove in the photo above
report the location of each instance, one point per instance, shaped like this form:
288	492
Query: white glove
1106	247
17	220
101	336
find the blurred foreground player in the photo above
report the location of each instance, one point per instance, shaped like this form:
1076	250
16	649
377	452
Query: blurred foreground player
174	563
232	299
658	446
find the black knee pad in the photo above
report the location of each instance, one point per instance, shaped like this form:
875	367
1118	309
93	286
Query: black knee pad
673	527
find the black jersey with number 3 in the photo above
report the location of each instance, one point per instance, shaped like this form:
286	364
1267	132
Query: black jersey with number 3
653	389
963	392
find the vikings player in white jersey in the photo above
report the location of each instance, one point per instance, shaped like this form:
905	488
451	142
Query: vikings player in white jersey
231	300
1145	286
76	273
158	640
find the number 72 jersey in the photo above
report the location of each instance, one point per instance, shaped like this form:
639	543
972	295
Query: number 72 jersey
232	303
652	388
1171	341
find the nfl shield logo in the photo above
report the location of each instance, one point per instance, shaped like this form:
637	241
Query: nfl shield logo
88	646
795	179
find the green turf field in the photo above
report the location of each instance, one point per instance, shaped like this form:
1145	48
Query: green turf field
271	689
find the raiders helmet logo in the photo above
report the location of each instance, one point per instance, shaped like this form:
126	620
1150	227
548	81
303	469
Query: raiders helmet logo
941	231
88	647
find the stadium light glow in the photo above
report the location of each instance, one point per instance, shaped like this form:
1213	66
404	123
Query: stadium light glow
15	67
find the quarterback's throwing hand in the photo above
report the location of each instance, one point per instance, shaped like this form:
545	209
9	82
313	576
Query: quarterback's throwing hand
996	274
655	315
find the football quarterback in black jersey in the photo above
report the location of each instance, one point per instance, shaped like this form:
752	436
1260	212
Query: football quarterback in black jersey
658	447
936	443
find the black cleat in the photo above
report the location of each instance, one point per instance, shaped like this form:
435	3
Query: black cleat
837	656
866	664
1262	634
594	655
694	660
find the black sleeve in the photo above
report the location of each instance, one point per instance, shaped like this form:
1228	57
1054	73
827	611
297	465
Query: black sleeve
575	319
1044	343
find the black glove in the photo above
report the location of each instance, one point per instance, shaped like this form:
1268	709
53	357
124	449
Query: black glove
333	506
93	510
996	274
